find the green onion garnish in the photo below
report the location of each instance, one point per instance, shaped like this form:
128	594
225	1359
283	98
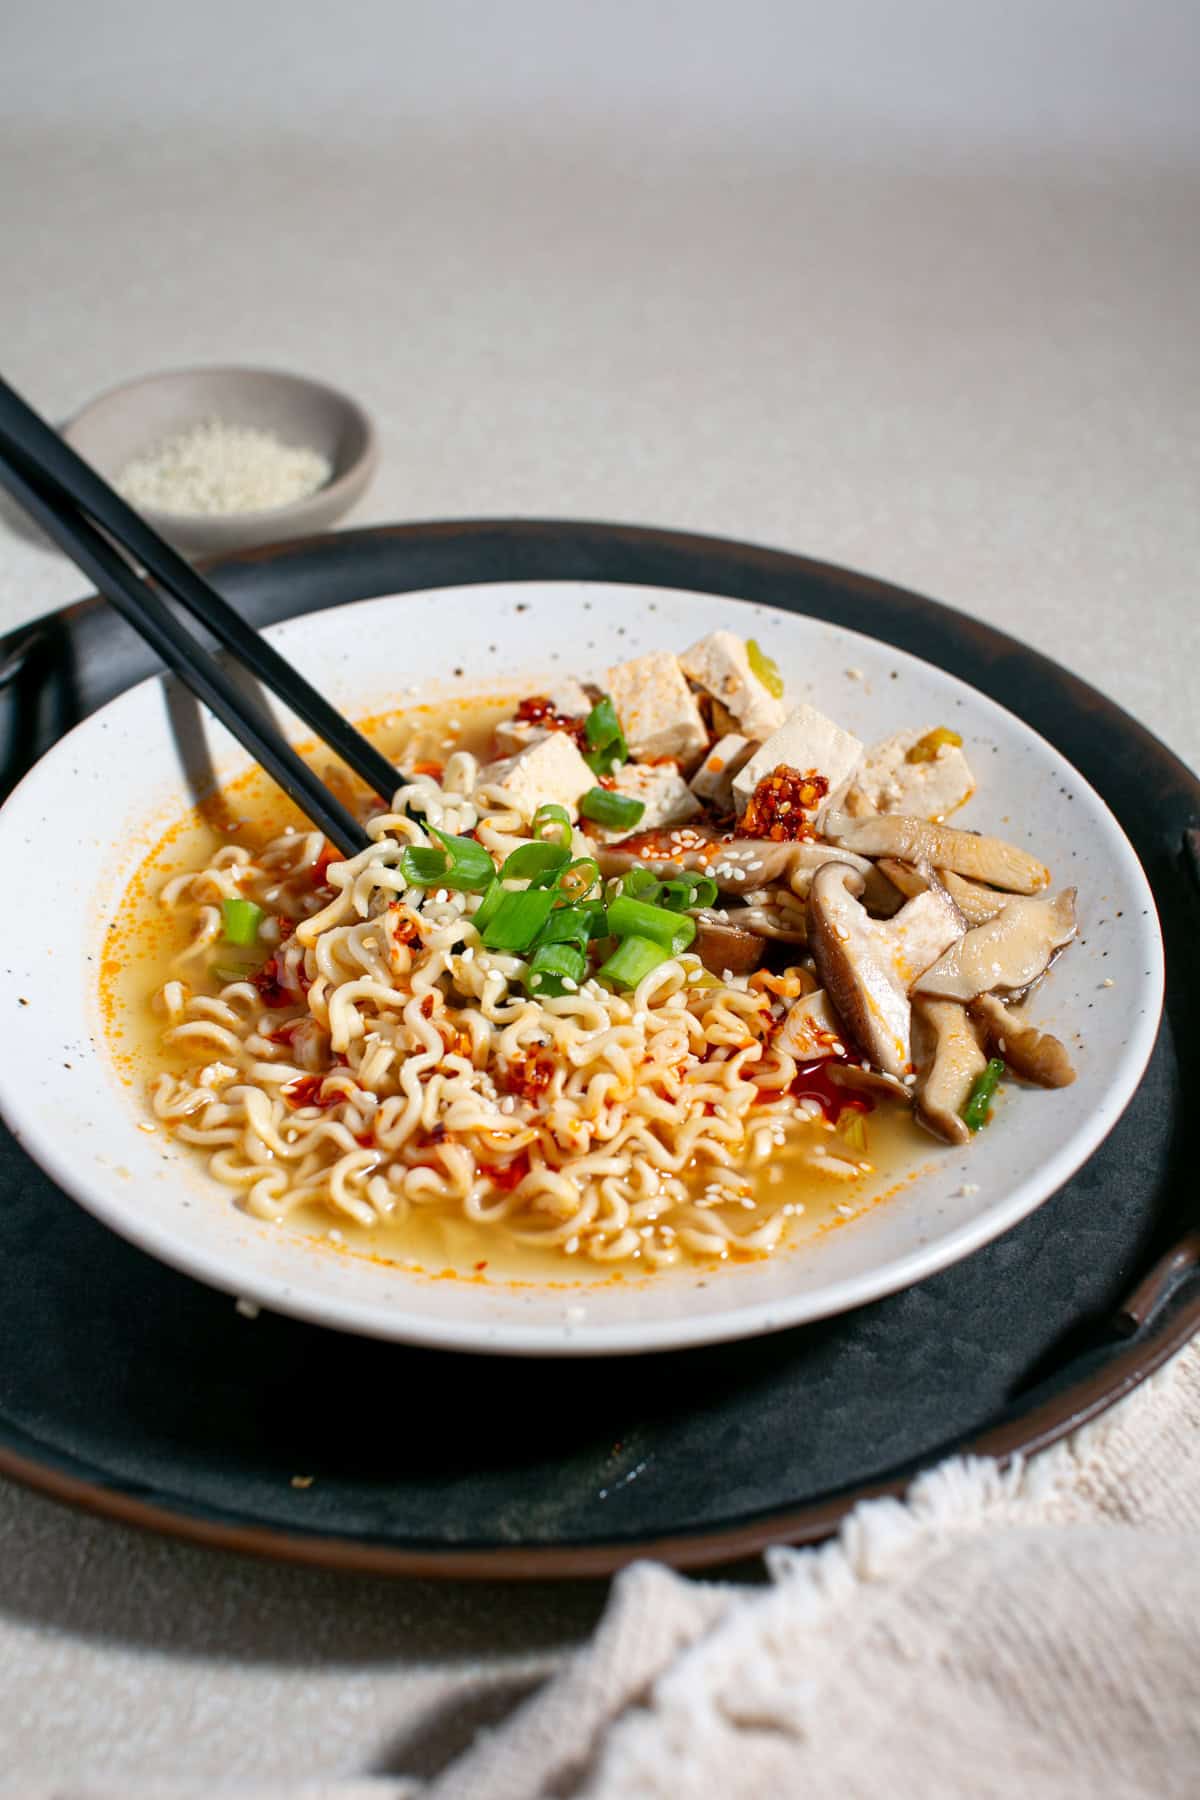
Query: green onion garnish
605	739
241	919
579	878
684	892
975	1112
553	966
518	919
633	918
487	906
534	859
765	668
553	823
611	809
632	961
640	884
461	864
567	925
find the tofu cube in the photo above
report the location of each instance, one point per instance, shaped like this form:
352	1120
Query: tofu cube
806	740
720	664
552	770
662	790
657	709
929	789
569	700
713	780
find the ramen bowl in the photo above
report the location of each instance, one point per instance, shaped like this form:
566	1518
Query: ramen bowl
81	825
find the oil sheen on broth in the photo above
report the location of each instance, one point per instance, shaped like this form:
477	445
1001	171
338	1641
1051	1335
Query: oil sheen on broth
885	1148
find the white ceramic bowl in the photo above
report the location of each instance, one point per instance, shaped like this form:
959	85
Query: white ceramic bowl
78	826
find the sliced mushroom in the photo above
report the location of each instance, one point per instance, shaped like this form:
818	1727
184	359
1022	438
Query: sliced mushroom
924	927
1032	1054
723	946
783	918
949	1062
856	967
907	877
976	903
1008	953
736	864
869	1081
812	1030
942	847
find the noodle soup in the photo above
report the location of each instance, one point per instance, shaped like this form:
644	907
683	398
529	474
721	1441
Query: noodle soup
622	981
176	1027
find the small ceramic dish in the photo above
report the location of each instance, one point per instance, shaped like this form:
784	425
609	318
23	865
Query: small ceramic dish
79	826
130	420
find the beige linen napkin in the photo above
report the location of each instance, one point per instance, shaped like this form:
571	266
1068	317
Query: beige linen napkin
1033	1631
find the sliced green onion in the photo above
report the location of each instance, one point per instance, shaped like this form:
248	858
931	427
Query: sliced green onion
534	859
607	808
640	884
765	668
685	892
518	919
487	908
553	823
605	739
853	1128
421	866
553	966
567	925
632	961
633	918
471	869
975	1112
461	864
579	878
241	919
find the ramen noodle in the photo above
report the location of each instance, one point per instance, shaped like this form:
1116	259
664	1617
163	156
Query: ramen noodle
601	966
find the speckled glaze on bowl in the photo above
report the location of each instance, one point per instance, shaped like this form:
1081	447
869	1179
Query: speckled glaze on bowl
129	420
117	780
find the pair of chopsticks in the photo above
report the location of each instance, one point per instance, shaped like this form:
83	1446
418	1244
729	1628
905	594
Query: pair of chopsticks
92	523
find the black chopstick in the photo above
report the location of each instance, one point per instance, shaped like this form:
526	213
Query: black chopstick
61	468
173	641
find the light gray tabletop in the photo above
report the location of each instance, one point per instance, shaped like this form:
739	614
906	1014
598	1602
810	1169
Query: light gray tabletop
972	371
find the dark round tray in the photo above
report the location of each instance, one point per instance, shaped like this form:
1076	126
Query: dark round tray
132	1390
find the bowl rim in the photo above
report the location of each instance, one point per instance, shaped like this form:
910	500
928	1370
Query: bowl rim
371	1318
356	472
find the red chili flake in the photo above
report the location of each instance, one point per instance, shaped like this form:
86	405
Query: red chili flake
480	1267
780	805
405	929
528	1076
267	983
436	769
285	1033
438	1135
814	1082
286	927
507	1175
320	868
307	1091
365	1140
539	709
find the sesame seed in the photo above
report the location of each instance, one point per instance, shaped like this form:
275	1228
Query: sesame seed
1108	982
248	1309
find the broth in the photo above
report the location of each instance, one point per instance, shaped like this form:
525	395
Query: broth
145	938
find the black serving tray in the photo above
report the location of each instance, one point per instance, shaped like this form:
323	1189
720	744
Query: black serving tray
132	1390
